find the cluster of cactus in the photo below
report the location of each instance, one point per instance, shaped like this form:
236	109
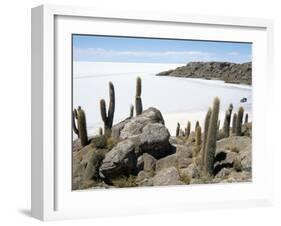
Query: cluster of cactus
81	128
108	117
237	122
209	146
138	101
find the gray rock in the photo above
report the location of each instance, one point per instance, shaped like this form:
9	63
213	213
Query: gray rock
121	160
140	163
92	168
145	133
154	140
166	162
134	126
168	176
149	162
192	171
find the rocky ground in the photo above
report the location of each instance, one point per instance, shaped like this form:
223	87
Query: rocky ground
141	152
228	72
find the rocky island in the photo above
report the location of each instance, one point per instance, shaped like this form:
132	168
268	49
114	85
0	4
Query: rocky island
225	71
141	151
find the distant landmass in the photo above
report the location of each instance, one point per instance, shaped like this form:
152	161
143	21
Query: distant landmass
226	71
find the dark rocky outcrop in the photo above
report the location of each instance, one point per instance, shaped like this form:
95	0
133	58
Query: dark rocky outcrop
225	71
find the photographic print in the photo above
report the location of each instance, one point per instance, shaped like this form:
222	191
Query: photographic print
160	112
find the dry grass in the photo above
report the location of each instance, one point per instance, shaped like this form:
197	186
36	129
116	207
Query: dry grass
125	182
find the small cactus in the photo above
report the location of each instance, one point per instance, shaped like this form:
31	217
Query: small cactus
178	130
198	139
206	127
226	123
181	133
138	101
212	139
234	120
246	118
131	111
187	133
239	121
196	125
108	117
82	127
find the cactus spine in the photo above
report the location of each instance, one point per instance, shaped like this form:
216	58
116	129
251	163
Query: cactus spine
239	121
198	139
108	117
206	127
246	118
82	127
131	111
138	101
212	139
178	130
187	133
234	120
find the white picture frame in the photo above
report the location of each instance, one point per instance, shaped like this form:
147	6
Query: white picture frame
52	197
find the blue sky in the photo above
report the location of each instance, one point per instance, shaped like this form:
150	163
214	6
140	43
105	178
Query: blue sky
145	50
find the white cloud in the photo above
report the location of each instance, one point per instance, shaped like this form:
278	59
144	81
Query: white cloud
233	53
111	53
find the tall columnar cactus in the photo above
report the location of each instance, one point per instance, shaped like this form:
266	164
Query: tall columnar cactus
212	139
100	131
131	111
108	117
187	133
198	136
206	127
138	101
75	117
218	126
196	125
239	121
178	130
226	123
82	126
234	120
246	118
230	108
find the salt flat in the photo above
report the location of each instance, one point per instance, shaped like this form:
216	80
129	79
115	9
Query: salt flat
179	99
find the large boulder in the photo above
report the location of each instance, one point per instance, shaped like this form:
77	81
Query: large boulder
121	160
167	176
85	166
149	162
234	152
134	126
167	162
145	133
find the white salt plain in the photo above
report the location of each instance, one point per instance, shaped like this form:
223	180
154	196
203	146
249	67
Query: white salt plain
178	99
